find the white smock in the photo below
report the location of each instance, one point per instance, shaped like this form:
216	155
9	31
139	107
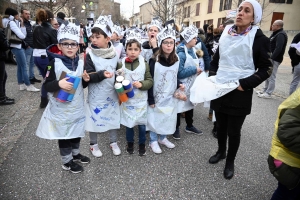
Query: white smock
147	54
102	109
64	120
163	117
134	111
183	106
236	62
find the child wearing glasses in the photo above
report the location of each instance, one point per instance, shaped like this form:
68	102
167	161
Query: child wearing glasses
134	111
64	120
162	114
102	109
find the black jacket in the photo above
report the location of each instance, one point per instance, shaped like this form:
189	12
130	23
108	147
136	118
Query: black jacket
295	58
29	36
239	102
147	46
4	45
44	36
278	41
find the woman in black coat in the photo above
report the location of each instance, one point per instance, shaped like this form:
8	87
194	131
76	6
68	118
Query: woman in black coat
232	108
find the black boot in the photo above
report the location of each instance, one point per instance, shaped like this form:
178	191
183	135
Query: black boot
217	157
130	148
142	149
229	169
44	102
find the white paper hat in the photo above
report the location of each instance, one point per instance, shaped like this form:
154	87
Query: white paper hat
133	33
167	32
156	22
189	33
88	29
102	22
70	31
117	29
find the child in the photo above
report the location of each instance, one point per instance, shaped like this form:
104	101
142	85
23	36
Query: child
187	72
134	111
115	38
162	112
102	110
65	120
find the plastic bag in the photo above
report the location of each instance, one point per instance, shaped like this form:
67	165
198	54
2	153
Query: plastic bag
180	94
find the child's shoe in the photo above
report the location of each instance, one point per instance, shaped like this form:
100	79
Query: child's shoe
167	143
130	148
142	150
95	150
115	148
72	167
81	158
155	147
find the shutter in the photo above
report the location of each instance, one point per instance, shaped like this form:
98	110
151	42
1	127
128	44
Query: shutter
210	4
197	9
221	5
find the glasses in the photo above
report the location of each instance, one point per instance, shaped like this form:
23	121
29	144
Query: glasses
66	45
168	43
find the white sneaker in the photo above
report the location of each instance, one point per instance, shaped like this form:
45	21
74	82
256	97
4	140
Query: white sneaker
258	92
115	148
167	143
31	88
23	87
265	96
155	147
95	150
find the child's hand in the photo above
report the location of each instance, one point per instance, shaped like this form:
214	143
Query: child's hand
152	106
199	71
108	74
181	87
64	84
153	42
137	84
85	76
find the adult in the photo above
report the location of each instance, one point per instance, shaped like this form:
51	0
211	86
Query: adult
231	108
221	28
55	24
295	61
209	40
278	41
61	18
205	29
43	36
201	34
4	46
17	26
28	45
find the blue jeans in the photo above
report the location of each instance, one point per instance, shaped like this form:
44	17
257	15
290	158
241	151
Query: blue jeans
154	137
296	79
142	134
22	72
29	62
270	82
42	63
283	193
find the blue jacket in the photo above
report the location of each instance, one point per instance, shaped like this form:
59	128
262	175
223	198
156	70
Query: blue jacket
182	71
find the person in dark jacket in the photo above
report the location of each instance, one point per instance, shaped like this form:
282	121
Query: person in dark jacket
278	41
232	108
4	46
61	18
209	40
43	36
295	62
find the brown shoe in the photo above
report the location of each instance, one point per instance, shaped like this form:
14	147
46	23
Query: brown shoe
210	117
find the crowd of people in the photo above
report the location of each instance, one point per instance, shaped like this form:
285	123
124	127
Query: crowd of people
236	57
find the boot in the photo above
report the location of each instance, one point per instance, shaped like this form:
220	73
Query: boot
229	169
44	102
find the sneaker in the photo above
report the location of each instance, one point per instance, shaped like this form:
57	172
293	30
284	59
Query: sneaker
130	148
258	92
72	167
142	149
34	80
155	147
31	88
193	130
115	148
95	150
22	87
167	143
176	134
265	96
81	158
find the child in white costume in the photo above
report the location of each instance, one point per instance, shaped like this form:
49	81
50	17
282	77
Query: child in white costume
115	39
102	110
65	120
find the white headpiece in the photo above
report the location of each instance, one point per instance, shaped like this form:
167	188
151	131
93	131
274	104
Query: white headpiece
155	22
133	33
167	32
117	29
102	22
88	29
257	10
189	33
70	32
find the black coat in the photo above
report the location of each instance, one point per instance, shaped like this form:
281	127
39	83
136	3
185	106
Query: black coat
44	36
4	45
237	102
295	58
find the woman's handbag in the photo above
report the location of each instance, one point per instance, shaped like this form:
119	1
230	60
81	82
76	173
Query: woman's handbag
11	36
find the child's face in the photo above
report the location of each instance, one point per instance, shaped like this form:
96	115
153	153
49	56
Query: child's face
192	43
168	45
152	32
99	40
114	37
69	48
133	51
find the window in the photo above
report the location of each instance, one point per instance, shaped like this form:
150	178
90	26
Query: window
210	5
184	12
198	24
189	11
227	5
277	1
209	21
221	21
289	1
221	5
197	9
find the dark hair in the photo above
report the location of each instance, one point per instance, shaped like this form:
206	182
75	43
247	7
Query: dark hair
172	57
99	31
133	41
11	11
61	15
205	27
22	10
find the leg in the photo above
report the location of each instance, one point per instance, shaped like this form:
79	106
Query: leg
296	79
94	148
76	152
42	63
21	63
129	134
222	120
113	137
142	134
154	143
272	78
29	62
283	192
189	118
93	138
65	148
2	80
153	137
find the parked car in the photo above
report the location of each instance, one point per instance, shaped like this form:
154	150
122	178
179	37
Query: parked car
10	57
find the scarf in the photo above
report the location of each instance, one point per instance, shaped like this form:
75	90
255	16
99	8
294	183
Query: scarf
233	31
104	53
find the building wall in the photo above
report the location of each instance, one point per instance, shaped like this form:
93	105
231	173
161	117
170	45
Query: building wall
146	10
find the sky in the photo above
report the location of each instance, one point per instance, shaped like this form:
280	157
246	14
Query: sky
127	5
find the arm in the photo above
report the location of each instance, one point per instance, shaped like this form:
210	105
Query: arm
184	72
51	83
53	37
151	100
295	59
90	67
147	83
279	46
206	57
214	64
20	32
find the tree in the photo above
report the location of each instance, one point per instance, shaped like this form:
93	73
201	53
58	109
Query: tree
53	5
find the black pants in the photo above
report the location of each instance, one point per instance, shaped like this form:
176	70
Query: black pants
188	118
3	78
68	148
229	125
